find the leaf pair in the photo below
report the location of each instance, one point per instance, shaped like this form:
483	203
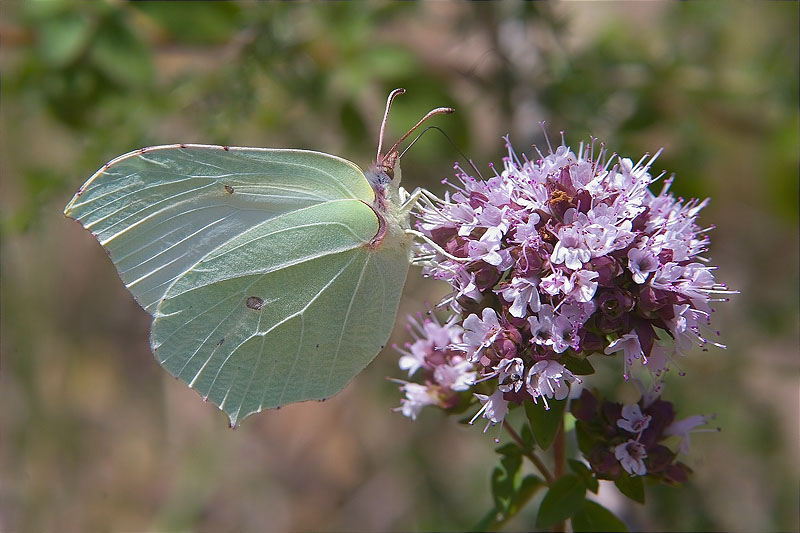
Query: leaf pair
510	490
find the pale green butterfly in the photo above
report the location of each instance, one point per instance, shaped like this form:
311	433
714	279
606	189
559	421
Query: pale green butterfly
273	276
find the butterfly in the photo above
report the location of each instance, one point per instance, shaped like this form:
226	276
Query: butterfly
272	275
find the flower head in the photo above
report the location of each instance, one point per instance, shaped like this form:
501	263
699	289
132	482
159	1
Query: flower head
631	455
480	333
552	260
631	438
682	428
632	419
417	397
548	379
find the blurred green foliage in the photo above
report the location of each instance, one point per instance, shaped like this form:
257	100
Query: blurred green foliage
95	437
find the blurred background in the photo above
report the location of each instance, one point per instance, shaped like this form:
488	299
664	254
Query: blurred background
95	436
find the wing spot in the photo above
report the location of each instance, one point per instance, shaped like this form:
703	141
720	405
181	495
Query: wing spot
254	302
229	189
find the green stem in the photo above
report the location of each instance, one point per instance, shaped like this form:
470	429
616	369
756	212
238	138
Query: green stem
559	463
548	477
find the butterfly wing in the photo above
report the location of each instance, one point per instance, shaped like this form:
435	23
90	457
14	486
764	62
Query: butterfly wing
158	211
255	264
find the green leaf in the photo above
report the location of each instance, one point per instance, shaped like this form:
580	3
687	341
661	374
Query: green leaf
569	422
489	522
586	440
595	517
544	422
631	486
507	476
563	500
585	474
578	365
121	54
61	39
509	490
529	486
501	489
502	513
204	23
527	438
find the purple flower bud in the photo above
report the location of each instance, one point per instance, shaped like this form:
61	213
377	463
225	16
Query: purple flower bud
677	473
604	463
659	457
506	348
651	300
590	342
620	302
477	199
608	269
647	336
640	222
665	256
583	201
612	412
585	407
486	277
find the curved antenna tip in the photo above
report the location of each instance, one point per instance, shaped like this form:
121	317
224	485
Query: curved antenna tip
389	100
431	113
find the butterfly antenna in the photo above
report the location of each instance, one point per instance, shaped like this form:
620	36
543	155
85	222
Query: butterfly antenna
431	113
389	100
467	159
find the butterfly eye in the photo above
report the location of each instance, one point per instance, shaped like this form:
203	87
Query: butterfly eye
380	175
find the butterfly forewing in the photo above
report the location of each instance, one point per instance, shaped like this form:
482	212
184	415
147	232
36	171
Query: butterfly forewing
160	210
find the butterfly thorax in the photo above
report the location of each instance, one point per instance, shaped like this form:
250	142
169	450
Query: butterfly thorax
384	178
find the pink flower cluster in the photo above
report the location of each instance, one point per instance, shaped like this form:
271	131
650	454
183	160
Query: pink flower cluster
618	438
551	261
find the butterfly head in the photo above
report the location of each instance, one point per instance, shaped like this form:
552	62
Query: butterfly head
386	164
384	170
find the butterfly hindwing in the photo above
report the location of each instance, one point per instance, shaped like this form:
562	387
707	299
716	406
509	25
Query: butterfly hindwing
288	311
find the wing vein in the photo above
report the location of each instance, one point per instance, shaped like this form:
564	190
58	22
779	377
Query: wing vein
346	319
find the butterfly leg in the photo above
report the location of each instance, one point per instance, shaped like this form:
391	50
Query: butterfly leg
436	247
409	200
